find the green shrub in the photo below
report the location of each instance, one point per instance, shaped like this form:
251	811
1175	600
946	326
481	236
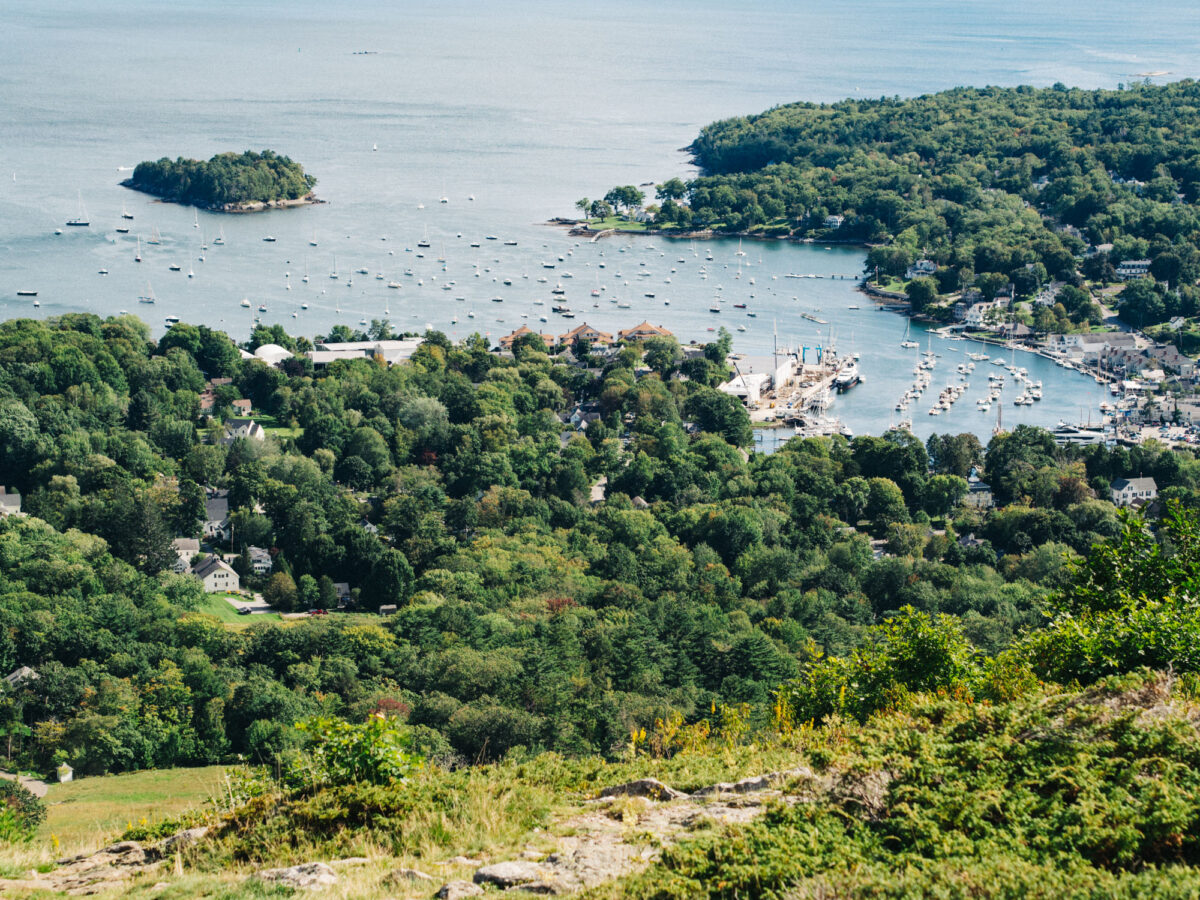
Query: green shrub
21	812
378	751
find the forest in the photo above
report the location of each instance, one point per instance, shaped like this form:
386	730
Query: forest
1005	189
226	179
529	614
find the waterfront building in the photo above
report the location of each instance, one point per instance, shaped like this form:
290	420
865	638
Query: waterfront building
642	332
921	268
509	339
586	332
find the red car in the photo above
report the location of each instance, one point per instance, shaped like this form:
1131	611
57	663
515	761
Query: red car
317	612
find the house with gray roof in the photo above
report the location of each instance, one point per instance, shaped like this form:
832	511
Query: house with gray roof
1133	491
216	575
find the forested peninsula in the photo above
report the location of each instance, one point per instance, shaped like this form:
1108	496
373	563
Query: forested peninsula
1002	190
228	182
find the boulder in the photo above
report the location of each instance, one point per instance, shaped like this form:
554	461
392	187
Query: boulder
644	787
406	876
311	875
463	861
457	890
509	874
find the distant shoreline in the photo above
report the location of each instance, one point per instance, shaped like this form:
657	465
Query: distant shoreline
250	207
583	229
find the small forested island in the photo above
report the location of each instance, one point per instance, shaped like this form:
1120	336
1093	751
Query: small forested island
228	182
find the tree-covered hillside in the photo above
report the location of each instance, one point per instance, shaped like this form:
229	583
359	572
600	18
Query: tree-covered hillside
453	486
228	179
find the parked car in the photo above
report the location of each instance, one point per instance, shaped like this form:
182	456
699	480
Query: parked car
317	612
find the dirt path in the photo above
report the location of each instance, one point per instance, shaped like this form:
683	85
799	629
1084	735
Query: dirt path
33	785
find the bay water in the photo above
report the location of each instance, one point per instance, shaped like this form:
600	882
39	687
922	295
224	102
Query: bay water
511	112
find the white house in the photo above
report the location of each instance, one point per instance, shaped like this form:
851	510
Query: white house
260	560
976	314
921	268
243	428
1133	268
216	517
216	575
1133	491
10	503
833	223
185	549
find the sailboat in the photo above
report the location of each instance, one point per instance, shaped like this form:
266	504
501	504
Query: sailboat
334	273
147	297
908	343
313	240
219	240
138	257
424	241
81	216
740	251
125	214
196	219
155	237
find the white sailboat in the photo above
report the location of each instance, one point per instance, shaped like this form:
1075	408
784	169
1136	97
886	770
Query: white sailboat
138	256
81	216
147	297
220	238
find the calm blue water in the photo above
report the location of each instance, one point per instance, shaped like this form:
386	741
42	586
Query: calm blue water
525	106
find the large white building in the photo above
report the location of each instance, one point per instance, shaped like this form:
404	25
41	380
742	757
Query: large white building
216	575
390	352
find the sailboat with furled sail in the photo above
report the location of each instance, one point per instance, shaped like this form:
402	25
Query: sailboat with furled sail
81	216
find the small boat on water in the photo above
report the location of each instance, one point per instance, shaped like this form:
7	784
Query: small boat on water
147	297
125	214
26	293
219	240
122	230
81	216
245	303
270	239
171	320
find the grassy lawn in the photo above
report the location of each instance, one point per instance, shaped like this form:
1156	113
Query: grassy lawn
90	811
616	222
272	426
218	606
